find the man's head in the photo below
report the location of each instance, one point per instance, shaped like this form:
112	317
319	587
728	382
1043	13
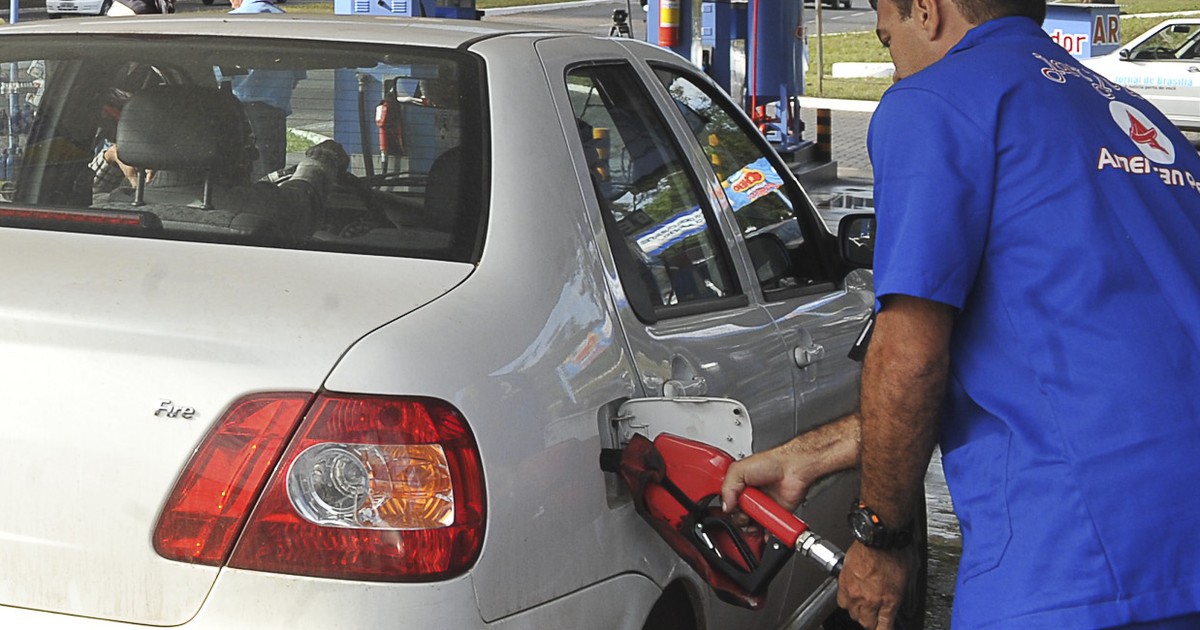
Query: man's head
980	11
918	33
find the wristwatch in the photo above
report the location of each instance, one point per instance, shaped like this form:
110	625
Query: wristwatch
869	529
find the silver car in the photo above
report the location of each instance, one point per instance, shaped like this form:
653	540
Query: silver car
375	396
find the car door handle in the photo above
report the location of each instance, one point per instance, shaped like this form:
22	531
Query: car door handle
1193	68
807	355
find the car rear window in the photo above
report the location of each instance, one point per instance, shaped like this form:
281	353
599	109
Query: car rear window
245	141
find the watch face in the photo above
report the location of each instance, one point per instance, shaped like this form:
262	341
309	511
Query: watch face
863	526
868	530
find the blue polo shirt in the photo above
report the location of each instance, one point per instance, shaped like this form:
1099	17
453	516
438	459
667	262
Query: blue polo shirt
1060	214
272	87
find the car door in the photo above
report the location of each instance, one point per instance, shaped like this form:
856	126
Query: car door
1165	68
677	286
818	308
819	315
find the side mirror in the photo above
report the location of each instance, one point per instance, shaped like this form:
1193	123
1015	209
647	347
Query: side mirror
856	240
1123	54
769	256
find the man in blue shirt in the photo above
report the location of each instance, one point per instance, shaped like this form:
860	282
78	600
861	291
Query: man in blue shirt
1038	277
267	96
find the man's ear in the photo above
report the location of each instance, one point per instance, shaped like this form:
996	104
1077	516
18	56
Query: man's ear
928	15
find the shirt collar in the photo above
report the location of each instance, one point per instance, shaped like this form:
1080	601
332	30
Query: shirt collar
992	29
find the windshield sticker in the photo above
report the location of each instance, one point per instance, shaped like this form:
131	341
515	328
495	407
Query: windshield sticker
751	182
662	236
741	188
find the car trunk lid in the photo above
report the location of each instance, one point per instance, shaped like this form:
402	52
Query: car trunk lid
117	355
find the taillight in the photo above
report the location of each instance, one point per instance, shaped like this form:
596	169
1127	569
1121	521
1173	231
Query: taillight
371	488
224	477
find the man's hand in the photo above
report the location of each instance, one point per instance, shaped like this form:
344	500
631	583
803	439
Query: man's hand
110	156
787	471
774	472
872	585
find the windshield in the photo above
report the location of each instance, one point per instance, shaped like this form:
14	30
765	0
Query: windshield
1174	42
302	145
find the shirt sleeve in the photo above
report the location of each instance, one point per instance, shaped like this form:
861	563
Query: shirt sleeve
934	180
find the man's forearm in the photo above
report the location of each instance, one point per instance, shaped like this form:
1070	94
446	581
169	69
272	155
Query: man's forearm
829	448
904	383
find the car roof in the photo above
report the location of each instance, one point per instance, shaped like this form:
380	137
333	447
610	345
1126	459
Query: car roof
435	32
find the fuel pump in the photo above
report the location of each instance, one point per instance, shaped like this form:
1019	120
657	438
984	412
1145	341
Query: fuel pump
358	90
387	118
457	9
668	23
754	49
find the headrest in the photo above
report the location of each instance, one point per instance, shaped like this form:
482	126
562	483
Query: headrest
181	127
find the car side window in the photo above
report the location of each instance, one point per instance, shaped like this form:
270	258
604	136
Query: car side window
668	249
762	201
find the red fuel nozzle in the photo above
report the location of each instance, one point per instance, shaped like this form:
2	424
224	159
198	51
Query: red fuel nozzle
675	482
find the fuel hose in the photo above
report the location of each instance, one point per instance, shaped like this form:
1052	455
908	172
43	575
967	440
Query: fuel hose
363	132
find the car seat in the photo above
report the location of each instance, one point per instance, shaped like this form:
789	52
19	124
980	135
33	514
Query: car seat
452	201
185	128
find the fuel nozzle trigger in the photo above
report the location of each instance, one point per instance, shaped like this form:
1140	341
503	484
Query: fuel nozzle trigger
749	557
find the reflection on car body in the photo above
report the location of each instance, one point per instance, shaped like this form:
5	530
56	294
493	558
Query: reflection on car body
397	380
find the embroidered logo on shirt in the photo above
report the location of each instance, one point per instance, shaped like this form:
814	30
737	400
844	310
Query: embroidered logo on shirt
1058	72
1153	144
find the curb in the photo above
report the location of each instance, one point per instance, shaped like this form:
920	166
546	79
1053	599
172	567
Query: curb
538	8
1170	14
838	104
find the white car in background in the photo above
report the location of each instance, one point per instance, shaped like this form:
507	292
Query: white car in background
1163	65
59	8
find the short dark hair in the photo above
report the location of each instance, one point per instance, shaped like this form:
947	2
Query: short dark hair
980	11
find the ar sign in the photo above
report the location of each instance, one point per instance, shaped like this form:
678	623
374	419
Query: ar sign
1084	30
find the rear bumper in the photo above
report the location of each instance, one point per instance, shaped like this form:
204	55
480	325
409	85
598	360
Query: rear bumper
246	599
249	599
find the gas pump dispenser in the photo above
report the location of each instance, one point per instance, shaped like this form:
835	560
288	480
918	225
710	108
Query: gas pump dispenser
754	49
369	113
